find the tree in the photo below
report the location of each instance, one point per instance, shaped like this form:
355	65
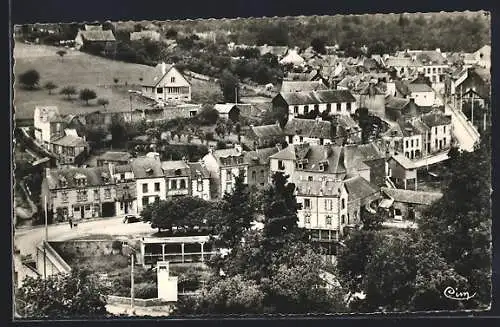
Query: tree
119	132
73	295
220	129
102	102
30	78
87	95
237	129
318	45
229	84
68	91
61	53
171	34
372	221
50	86
207	115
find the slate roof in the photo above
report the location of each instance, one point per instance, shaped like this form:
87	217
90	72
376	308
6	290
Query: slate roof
410	196
225	108
98	35
264	131
229	156
402	88
93	175
287	153
274	50
312	128
401	62
198	168
367	152
52	112
436	118
396	103
154	75
318	188
144	167
359	188
394	131
260	156
123	169
115	156
431	57
414	87
403	161
302	86
175	168
70	141
318	97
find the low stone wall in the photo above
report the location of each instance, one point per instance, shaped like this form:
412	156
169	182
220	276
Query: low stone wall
121	300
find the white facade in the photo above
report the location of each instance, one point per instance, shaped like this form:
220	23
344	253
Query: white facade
177	185
284	166
440	138
297	139
343	108
200	188
44	128
148	190
412	146
172	86
228	177
424	99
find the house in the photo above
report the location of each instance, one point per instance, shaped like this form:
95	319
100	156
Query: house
264	136
434	66
229	111
94	36
402	172
438	132
224	165
258	165
115	157
69	149
475	79
277	51
403	66
302	86
126	189
397	108
48	125
150	181
311	131
422	93
79	193
177	177
327	207
483	57
145	35
313	103
371	96
164	82
408	203
200	180
292	58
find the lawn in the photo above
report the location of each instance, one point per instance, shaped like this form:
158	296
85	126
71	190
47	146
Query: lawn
82	70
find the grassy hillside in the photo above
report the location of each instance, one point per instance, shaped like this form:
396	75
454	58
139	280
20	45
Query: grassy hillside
84	71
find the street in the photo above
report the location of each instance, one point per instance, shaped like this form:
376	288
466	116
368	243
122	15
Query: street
28	239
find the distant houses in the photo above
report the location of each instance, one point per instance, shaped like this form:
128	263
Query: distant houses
94	36
164	82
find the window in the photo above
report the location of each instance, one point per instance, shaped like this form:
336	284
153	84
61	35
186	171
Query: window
328	220
82	196
328	107
444	129
406	143
296	109
53	194
434	70
307	204
229	187
107	193
159	90
436	143
307	218
262	173
416	142
316	107
254	175
87	207
343	203
309	178
301	139
338	107
306	110
355	214
64	196
173	184
145	201
435	130
144	188
122	177
343	219
328	205
199	185
281	166
444	141
172	79
411	143
157	198
241	173
349	106
229	175
183	184
157	187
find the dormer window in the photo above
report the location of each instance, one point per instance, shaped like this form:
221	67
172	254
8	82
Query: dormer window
178	172
149	171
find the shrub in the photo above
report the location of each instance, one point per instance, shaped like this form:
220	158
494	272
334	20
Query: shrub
117	245
146	291
30	78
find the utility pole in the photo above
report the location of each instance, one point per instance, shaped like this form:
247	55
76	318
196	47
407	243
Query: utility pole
132	281
484	116
236	94
45	242
472	109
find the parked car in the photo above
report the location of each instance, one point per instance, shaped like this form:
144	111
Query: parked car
129	219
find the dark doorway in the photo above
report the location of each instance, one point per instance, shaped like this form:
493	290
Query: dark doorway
82	211
108	209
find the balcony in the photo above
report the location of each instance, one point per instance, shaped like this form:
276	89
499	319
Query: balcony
177	192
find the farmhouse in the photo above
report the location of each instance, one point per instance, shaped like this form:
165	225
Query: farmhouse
229	111
311	131
264	136
164	82
115	157
407	203
94	36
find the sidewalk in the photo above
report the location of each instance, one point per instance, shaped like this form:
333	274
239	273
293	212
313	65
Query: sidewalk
79	221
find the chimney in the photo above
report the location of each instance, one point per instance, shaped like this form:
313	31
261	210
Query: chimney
278	146
238	148
163	68
414	57
438	50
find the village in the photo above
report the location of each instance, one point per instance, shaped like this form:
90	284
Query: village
141	167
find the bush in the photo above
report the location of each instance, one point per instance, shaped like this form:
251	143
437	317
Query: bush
30	78
117	245
146	291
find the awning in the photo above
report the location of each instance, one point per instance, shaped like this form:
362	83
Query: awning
386	203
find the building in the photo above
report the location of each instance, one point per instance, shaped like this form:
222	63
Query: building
200	180
402	172
302	86
150	181
48	125
400	108
407	203
264	136
94	36
482	57
311	104
475	79
403	66
229	111
224	166
177	177
421	93
145	35
311	131
70	149
438	132
79	193
115	157
126	189
258	165
164	82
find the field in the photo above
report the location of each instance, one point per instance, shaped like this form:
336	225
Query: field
84	71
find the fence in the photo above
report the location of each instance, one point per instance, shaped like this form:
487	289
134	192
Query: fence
122	300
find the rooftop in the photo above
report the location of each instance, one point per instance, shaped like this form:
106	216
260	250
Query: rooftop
260	156
145	167
302	86
318	97
403	161
267	130
115	156
174	168
198	168
93	175
98	35
359	188
436	118
414	87
313	128
70	141
409	196
396	103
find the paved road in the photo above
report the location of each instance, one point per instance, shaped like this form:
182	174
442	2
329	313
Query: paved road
28	239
